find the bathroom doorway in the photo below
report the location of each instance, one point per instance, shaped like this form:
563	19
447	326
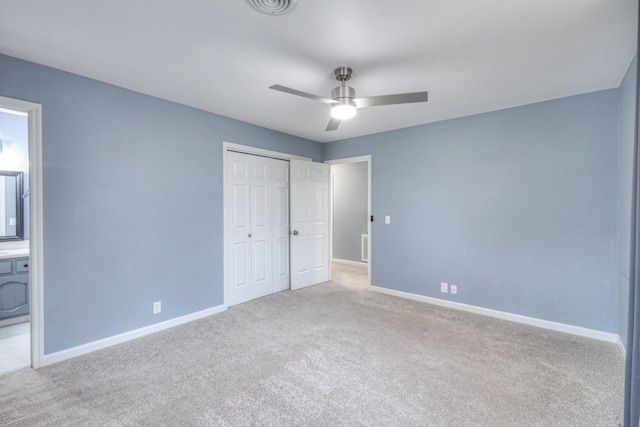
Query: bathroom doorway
15	320
21	252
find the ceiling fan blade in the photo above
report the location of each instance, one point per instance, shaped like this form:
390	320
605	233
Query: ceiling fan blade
303	94
398	98
333	124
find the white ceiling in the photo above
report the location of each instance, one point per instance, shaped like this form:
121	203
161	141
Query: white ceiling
222	55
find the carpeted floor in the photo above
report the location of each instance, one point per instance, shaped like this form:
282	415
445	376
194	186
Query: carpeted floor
330	355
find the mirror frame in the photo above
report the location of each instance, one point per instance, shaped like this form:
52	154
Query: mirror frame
19	207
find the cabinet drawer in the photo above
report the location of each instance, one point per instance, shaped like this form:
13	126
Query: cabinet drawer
22	266
5	267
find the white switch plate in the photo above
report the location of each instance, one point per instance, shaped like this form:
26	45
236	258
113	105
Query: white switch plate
444	287
12	221
157	307
454	289
387	219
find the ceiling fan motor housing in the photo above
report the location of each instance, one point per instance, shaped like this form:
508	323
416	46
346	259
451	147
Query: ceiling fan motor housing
346	106
342	92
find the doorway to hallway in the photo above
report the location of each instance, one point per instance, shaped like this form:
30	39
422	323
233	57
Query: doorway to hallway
350	219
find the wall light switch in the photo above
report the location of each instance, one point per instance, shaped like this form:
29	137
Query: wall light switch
387	219
12	221
444	287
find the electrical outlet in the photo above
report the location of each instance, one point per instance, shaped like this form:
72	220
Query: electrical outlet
157	307
444	287
454	289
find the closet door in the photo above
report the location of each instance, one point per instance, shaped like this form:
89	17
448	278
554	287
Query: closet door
280	212
261	238
238	222
257	227
309	223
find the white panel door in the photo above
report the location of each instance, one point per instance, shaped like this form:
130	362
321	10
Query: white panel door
261	237
280	215
257	227
238	251
309	223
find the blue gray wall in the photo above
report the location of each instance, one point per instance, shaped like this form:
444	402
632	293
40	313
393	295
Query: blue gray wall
517	207
625	178
350	209
132	202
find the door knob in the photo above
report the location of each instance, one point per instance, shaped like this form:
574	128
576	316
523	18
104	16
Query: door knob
295	232
249	235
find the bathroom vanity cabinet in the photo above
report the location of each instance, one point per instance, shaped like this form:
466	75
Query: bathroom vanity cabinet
14	287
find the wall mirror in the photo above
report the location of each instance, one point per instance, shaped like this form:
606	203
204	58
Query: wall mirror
11	206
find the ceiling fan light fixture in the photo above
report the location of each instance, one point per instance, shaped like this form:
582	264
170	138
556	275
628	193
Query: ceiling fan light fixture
343	99
345	110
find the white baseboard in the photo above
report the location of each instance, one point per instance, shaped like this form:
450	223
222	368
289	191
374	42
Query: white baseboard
348	262
621	347
532	321
69	353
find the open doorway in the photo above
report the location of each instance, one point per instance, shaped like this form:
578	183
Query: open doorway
21	251
350	221
15	320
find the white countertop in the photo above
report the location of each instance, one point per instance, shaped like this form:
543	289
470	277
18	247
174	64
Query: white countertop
13	253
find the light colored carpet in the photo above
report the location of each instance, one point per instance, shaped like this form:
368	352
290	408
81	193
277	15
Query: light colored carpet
329	355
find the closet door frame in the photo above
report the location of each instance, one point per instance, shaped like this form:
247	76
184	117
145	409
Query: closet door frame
228	147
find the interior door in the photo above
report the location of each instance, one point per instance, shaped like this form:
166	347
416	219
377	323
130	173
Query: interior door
239	225
280	220
250	239
260	237
309	223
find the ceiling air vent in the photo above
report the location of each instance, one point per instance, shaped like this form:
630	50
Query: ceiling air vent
272	7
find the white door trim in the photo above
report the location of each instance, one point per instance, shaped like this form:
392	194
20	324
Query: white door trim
36	258
226	148
358	159
231	146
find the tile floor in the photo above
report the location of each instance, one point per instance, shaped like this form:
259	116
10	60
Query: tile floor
15	347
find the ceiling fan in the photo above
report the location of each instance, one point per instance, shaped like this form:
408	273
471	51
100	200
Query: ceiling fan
343	99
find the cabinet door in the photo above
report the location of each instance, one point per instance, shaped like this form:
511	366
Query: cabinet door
14	296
